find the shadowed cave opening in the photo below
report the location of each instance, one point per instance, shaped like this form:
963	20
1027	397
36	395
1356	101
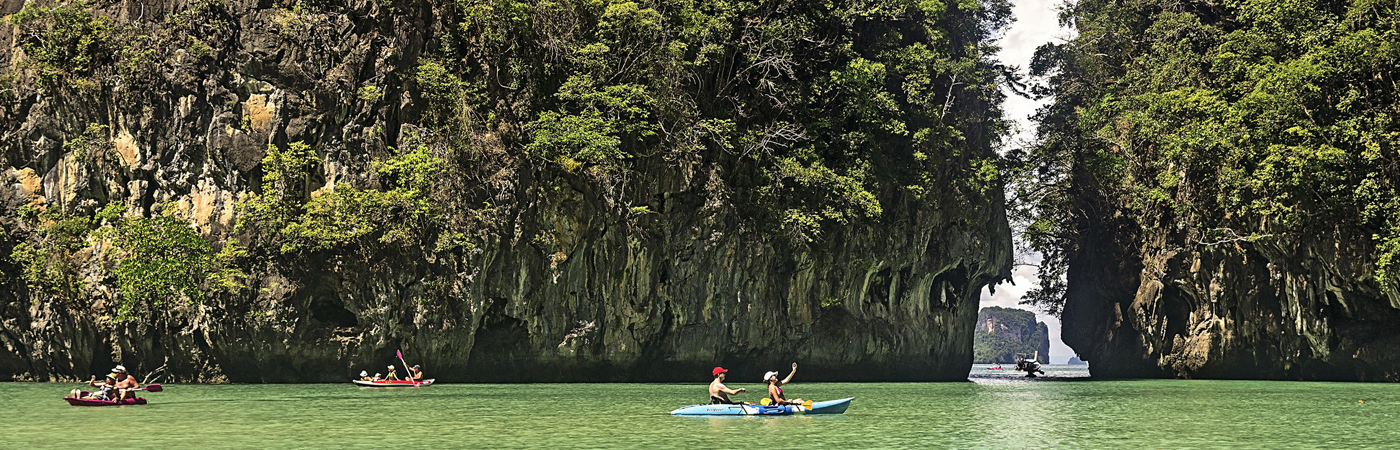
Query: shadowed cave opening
325	310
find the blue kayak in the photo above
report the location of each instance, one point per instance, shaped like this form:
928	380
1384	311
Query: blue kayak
826	407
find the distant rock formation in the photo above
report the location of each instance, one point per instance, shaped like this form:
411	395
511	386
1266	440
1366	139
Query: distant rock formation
1001	333
1075	361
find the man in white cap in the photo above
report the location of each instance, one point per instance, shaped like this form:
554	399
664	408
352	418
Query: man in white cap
126	384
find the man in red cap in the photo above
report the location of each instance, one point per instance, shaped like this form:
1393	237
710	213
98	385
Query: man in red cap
719	393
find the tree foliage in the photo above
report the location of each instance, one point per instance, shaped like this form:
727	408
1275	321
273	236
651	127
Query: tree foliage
293	220
65	40
1222	121
163	262
821	110
49	261
159	262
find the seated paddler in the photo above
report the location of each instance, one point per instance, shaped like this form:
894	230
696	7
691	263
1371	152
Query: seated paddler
104	388
126	384
719	393
415	373
775	387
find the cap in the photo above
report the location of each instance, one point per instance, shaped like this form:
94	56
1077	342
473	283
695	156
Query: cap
119	369
415	366
718	370
768	375
391	367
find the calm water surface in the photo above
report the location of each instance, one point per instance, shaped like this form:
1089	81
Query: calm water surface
995	410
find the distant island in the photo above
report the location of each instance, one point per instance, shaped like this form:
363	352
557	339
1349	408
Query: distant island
1001	333
1075	361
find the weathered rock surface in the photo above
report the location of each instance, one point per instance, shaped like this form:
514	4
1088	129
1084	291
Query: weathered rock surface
558	290
1274	308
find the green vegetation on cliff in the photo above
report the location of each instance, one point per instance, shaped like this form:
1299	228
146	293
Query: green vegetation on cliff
592	187
1002	333
820	112
1216	189
1219	124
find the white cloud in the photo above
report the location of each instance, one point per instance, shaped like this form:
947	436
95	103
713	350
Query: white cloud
1037	23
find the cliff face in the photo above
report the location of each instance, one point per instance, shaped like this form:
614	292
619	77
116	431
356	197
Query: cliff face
1276	309
1228	206
523	256
1001	333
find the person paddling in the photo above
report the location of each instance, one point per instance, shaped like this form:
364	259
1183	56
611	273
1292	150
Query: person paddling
775	390
415	373
719	393
126	384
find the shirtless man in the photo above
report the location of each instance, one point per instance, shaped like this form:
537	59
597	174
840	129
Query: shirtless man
719	393
126	384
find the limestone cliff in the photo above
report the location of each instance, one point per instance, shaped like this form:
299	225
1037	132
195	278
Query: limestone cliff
1002	333
1219	198
613	224
1275	309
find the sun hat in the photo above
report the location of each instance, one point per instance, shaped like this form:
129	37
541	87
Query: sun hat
364	373
768	375
391	367
718	370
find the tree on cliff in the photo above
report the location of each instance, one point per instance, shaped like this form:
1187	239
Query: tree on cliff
1218	124
1216	187
376	172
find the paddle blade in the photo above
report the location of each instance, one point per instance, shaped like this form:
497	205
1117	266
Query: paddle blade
153	388
765	402
807	404
400	353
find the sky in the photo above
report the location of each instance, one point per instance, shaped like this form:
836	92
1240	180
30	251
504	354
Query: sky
1036	24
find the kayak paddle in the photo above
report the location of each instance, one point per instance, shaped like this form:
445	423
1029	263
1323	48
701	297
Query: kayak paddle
150	388
767	401
407	372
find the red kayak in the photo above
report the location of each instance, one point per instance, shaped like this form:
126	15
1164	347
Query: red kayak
95	402
392	383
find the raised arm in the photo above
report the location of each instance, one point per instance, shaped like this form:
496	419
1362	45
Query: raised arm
790	374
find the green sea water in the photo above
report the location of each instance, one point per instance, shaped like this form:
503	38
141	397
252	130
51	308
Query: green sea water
994	410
